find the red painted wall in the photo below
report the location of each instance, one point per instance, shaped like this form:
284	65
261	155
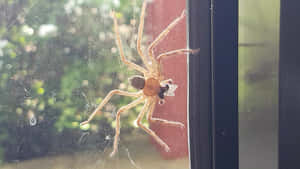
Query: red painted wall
159	14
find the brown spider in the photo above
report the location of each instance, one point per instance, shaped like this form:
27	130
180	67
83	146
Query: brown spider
152	85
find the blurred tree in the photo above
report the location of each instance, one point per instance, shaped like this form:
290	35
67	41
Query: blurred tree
57	61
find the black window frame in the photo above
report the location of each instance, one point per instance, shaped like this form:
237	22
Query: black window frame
213	84
289	86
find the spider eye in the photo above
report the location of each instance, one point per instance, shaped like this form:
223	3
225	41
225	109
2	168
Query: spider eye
170	81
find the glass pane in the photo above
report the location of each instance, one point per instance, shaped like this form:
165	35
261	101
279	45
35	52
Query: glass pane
59	60
258	83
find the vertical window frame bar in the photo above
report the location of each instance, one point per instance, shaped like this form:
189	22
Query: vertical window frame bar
200	119
213	84
289	80
225	83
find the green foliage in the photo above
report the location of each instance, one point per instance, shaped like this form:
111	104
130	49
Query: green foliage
58	60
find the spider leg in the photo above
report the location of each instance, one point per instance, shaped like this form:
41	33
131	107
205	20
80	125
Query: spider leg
122	109
163	121
163	34
177	52
106	99
120	46
140	35
149	131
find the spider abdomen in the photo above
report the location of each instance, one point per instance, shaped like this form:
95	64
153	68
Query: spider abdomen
152	87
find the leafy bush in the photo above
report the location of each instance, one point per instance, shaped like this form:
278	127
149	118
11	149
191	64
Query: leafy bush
58	59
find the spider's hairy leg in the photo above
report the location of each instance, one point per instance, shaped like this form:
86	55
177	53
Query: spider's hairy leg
163	34
149	131
106	99
140	35
177	52
122	109
120	46
163	121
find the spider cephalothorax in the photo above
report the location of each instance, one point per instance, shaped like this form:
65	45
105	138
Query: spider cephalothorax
152	85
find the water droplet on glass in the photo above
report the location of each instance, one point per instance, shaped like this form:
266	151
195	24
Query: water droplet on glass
8	66
113	50
31	117
107	137
32	121
102	36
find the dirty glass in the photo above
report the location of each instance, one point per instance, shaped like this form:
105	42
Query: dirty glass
58	61
258	83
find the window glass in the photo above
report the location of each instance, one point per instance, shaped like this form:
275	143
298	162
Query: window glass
60	60
258	83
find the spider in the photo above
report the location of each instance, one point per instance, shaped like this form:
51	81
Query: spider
152	86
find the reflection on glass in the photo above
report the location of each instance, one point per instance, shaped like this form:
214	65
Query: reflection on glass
258	83
58	61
